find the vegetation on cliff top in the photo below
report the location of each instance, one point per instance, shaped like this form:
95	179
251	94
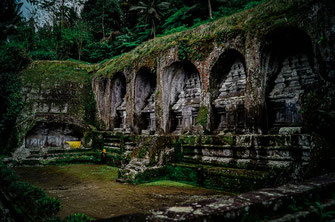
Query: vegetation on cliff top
197	42
52	72
202	39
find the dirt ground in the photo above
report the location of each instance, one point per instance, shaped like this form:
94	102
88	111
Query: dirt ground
92	189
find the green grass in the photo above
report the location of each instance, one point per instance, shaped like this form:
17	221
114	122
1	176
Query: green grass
168	183
89	172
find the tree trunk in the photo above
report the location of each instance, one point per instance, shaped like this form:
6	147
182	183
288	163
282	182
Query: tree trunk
154	29
103	20
210	9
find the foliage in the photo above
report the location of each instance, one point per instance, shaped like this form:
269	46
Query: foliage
202	117
78	217
177	20
323	214
25	198
151	11
104	29
12	60
103	16
201	39
10	15
317	109
184	50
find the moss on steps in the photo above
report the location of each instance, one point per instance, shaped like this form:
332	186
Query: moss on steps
222	178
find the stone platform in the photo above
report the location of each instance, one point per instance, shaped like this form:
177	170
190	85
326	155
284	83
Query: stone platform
307	201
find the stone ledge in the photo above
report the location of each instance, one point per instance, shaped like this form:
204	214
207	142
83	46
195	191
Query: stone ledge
264	202
234	208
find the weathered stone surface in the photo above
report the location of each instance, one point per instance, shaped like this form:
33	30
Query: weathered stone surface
56	101
235	208
248	80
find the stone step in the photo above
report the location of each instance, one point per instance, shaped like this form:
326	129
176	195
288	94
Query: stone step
303	156
57	150
241	163
225	146
267	204
224	178
130	144
267	157
113	150
112	139
112	147
65	154
250	140
112	144
55	160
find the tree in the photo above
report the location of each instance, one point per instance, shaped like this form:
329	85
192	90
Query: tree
78	34
210	9
10	16
103	16
151	12
12	60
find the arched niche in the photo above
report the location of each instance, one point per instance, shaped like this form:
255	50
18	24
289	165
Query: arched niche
52	135
182	82
118	102
101	90
227	86
287	62
145	87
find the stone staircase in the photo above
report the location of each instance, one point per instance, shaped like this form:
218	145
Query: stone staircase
260	152
241	163
117	143
50	156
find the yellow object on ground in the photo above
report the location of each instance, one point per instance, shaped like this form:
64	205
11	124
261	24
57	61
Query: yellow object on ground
74	144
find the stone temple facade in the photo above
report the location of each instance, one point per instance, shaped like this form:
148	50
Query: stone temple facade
238	94
230	84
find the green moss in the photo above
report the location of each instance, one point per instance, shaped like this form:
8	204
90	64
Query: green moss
142	152
228	140
221	178
88	138
202	117
157	94
49	73
168	183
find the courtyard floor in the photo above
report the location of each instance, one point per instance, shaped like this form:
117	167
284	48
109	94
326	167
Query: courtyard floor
93	190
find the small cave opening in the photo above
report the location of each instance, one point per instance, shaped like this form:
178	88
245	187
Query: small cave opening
145	88
227	87
52	135
118	101
287	62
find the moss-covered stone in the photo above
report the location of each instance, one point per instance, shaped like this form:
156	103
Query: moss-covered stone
202	118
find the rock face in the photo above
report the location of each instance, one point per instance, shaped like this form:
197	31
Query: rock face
56	98
242	76
229	104
44	135
185	101
145	87
288	86
110	97
249	83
